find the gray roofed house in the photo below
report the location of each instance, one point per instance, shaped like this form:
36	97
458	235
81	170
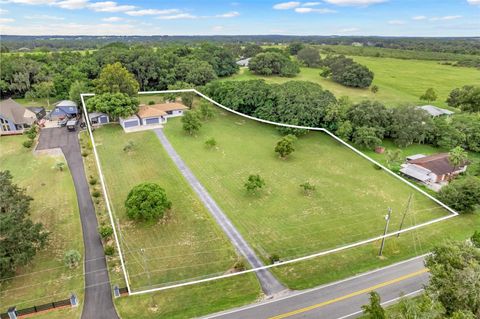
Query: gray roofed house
14	118
435	111
243	62
98	118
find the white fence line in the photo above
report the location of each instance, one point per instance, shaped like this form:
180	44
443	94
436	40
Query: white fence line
322	253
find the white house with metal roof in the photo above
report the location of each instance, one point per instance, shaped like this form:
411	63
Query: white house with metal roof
435	111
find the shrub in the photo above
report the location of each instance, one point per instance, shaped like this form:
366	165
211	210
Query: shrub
105	231
96	193
27	143
130	146
109	250
92	181
151	102
72	258
254	183
239	265
60	166
307	188
31	133
274	258
146	202
85	153
210	143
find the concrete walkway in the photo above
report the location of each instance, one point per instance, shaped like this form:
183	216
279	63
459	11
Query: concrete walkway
269	283
98	295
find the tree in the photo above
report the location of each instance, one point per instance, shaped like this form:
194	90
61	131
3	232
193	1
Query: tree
272	63
307	188
455	268
251	50
374	89
366	137
42	90
374	310
295	47
346	71
194	71
345	130
147	202
370	114
430	95
394	157
114	104
285	146
254	183
21	238
71	258
187	97
220	58
206	111
457	157
76	89
114	78
475	239
191	122
410	125
462	194
447	135
309	56
466	98
422	307
211	143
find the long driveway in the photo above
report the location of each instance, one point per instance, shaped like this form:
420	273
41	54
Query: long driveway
342	299
270	285
98	296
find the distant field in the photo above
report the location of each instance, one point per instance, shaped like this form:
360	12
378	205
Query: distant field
187	244
46	278
400	81
349	204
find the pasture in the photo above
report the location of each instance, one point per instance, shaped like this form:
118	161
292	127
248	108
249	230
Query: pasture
45	278
348	205
399	81
186	244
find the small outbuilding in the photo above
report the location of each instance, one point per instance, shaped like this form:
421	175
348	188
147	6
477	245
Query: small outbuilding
64	109
129	122
98	118
243	62
435	111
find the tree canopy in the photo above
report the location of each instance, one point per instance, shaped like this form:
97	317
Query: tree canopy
114	104
462	194
309	56
114	78
147	202
21	238
466	98
346	71
272	63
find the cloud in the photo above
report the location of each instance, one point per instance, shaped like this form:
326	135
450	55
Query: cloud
6	20
31	2
44	17
418	18
286	5
71	4
110	6
396	22
310	4
151	12
309	10
354	2
474	2
178	16
218	28
77	29
444	18
113	19
3	11
349	30
230	14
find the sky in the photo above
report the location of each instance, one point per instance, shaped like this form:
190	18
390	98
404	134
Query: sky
248	17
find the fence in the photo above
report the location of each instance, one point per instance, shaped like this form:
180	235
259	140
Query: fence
14	313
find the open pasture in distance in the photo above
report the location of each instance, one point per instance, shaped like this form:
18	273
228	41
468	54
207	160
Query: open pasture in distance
45	278
186	244
348	205
399	81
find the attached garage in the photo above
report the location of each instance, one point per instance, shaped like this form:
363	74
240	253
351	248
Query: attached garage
150	115
129	122
153	120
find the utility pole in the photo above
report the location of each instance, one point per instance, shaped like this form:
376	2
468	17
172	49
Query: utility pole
387	221
405	213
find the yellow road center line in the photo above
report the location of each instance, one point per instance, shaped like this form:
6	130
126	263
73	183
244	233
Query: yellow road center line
353	294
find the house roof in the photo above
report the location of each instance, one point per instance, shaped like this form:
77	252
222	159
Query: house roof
438	163
165	107
36	109
417	172
16	112
244	62
435	111
66	103
149	111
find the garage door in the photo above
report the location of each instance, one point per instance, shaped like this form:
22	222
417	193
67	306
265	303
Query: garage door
127	124
103	119
152	120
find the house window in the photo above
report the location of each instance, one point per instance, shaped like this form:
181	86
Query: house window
169	112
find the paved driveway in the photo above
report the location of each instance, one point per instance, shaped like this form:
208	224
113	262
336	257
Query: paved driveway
98	295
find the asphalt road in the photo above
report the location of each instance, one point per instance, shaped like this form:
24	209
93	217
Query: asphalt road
270	285
98	296
342	299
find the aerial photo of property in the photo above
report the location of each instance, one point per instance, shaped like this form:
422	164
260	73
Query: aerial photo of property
240	159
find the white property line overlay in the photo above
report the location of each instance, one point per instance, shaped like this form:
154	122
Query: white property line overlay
322	253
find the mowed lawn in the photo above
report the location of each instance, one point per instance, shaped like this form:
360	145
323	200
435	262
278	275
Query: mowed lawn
349	204
399	81
186	244
46	278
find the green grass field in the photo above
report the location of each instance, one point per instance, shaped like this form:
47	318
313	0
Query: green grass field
187	244
400	81
349	204
46	278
